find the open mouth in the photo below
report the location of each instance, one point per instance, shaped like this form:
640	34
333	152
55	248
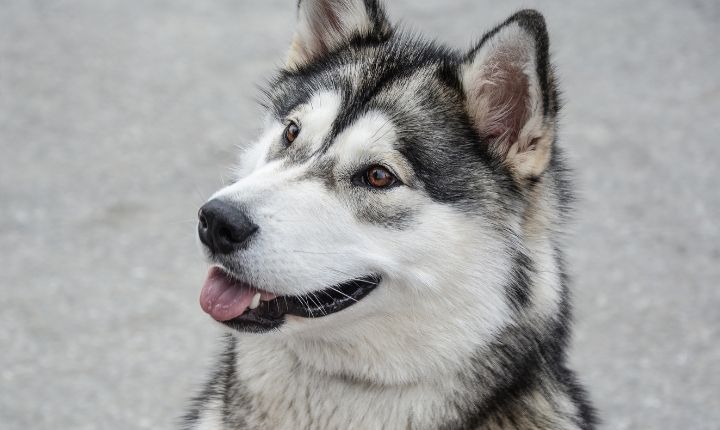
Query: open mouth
243	307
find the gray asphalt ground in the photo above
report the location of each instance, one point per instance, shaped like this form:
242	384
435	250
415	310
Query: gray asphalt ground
118	118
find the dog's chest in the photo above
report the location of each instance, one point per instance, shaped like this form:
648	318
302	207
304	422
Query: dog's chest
277	393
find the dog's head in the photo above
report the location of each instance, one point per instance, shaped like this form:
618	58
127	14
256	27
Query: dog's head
383	206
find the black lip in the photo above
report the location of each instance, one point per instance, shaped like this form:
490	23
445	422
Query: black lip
271	314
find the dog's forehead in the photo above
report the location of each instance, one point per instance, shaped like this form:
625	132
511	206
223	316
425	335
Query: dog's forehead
347	115
370	133
361	75
410	84
369	138
316	117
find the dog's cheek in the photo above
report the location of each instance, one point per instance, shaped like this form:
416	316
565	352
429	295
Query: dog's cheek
392	209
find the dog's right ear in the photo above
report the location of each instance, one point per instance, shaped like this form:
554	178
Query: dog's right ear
326	25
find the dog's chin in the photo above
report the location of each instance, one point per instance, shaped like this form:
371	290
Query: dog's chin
245	308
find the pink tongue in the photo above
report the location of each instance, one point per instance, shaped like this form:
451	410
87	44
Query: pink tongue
224	298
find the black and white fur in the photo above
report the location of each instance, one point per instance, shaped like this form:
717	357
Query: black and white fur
469	326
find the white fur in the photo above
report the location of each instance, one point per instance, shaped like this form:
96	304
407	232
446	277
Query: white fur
210	416
440	300
427	343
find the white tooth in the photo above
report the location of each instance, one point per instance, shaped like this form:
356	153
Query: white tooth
255	301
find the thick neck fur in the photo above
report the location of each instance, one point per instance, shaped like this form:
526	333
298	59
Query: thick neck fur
272	389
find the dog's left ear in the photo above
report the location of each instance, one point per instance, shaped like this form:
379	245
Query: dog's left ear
510	93
326	25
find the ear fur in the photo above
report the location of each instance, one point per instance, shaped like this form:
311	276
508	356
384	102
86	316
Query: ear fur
326	25
510	93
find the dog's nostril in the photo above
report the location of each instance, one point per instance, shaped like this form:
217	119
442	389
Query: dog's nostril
203	220
224	228
225	234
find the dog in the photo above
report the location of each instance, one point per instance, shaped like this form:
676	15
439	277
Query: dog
389	254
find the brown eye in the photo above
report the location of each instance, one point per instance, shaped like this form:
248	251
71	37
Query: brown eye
291	132
379	177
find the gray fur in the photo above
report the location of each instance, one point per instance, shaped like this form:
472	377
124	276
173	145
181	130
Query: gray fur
516	375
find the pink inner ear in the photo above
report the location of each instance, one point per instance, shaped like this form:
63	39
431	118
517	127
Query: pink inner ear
324	23
503	92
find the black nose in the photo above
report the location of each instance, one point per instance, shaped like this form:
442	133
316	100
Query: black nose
224	228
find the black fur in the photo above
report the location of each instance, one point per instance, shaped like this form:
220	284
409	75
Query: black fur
454	166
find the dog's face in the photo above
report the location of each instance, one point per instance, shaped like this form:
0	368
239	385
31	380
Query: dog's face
380	204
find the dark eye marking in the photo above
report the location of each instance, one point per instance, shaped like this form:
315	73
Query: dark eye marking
376	177
291	132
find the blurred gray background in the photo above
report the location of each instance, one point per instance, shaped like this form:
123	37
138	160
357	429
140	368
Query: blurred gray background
118	118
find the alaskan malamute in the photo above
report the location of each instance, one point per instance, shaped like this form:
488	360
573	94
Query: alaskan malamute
389	254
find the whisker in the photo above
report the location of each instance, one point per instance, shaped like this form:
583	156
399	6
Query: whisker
307	305
340	292
317	302
318	252
353	279
378	130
